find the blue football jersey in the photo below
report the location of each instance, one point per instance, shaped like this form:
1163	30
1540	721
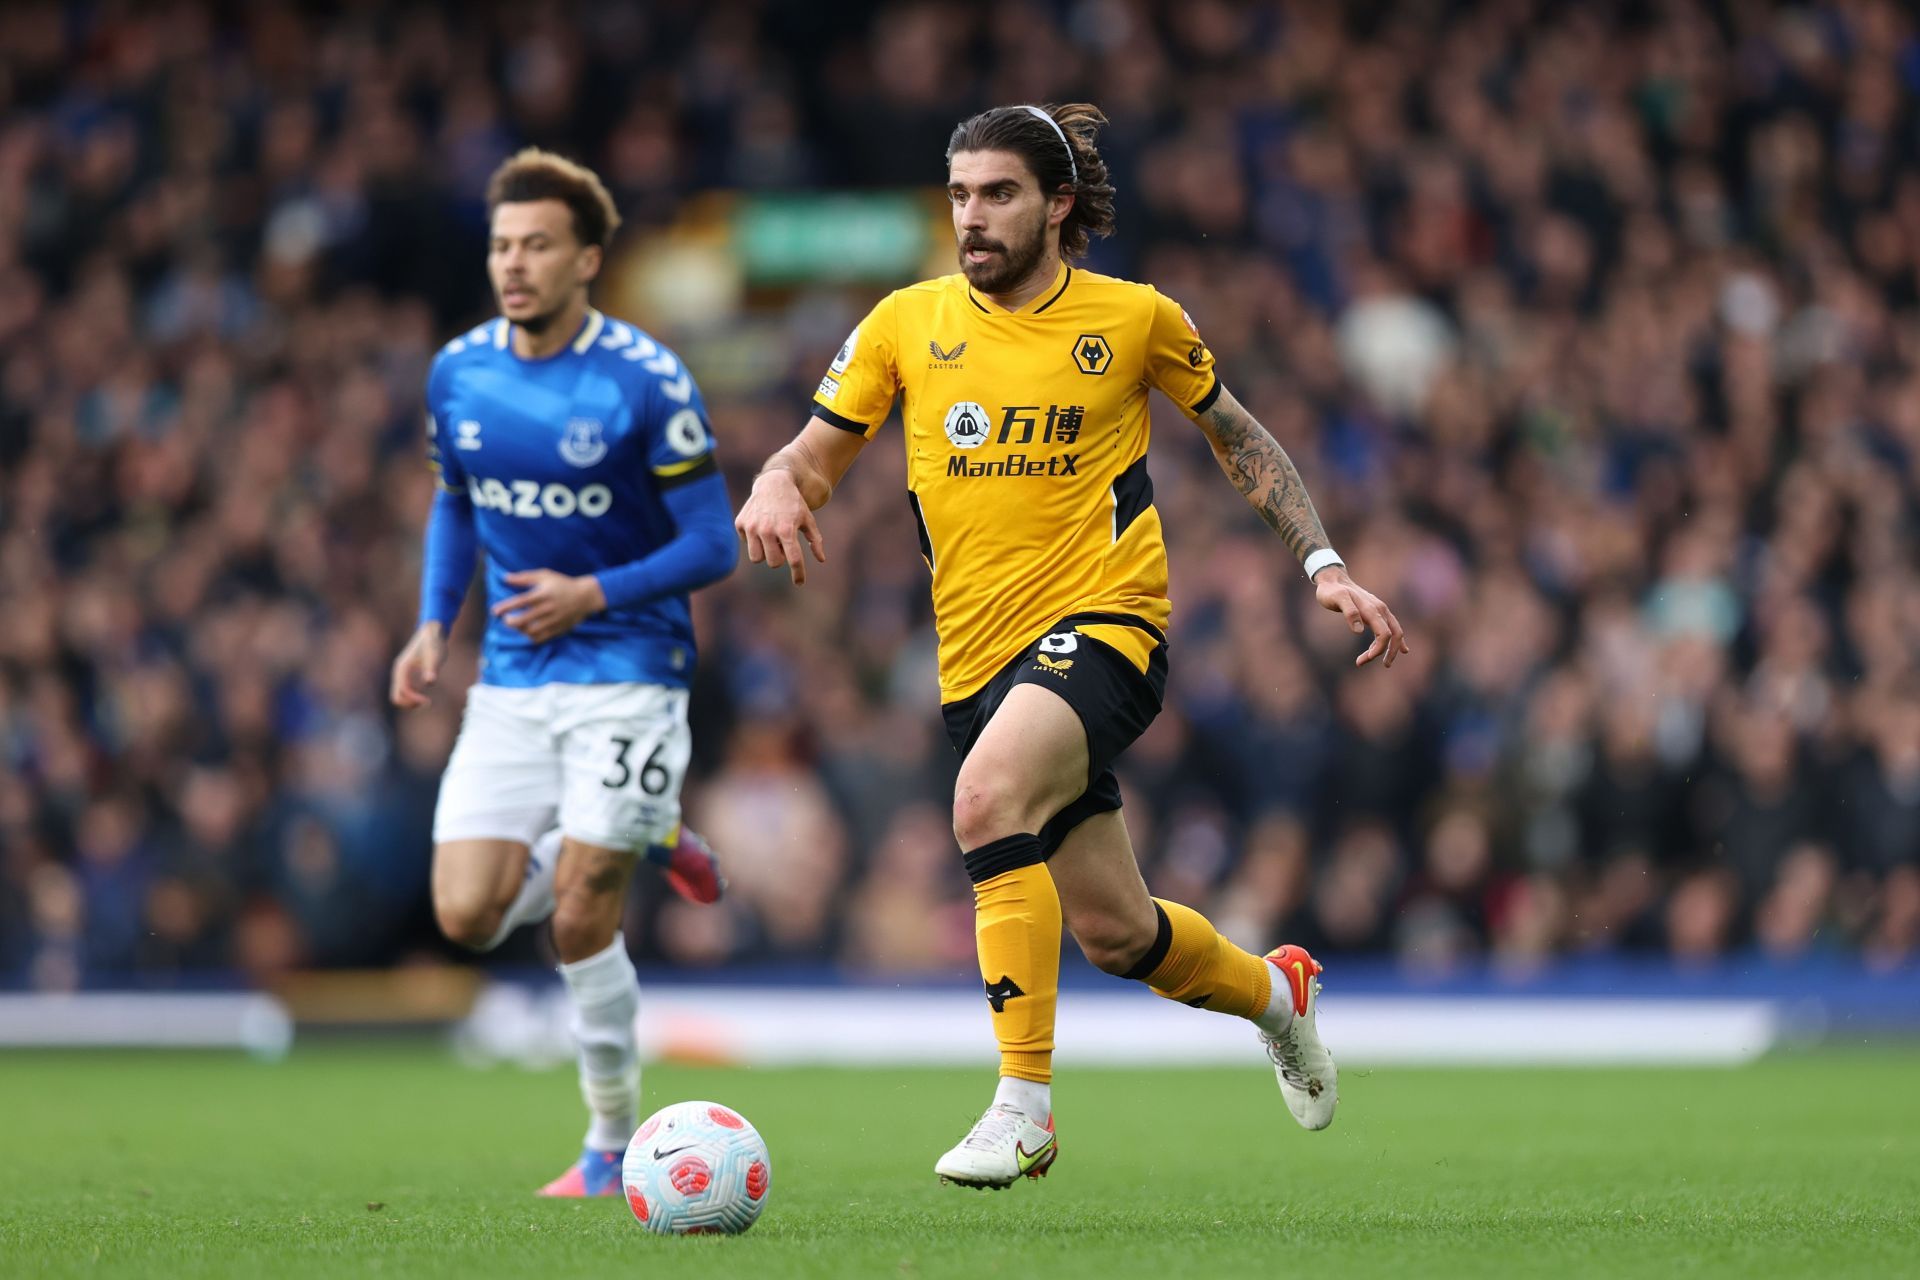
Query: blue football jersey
564	460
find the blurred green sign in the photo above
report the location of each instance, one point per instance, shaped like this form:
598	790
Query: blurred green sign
791	239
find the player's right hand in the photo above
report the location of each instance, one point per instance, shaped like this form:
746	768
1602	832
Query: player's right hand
773	522
418	667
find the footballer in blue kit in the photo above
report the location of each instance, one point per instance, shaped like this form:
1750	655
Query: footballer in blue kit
588	461
574	456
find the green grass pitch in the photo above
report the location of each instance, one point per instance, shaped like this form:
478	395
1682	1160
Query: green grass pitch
393	1161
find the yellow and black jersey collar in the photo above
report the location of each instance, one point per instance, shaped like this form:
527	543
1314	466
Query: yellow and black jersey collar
1041	301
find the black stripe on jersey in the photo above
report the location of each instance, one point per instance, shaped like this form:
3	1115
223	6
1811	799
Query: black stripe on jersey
976	302
920	525
828	416
698	471
1206	401
1056	293
1117	619
1132	494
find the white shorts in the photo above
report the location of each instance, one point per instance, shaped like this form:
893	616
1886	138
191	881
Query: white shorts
605	760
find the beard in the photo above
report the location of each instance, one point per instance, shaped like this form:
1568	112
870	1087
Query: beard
1014	264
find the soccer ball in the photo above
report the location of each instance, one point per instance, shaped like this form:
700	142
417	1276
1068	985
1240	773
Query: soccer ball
696	1168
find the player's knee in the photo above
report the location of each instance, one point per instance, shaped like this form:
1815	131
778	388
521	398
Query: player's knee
987	808
468	923
1112	943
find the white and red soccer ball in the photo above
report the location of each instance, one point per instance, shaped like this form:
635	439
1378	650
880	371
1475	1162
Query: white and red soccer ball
696	1168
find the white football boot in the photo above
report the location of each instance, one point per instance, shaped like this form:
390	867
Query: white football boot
1003	1145
1309	1081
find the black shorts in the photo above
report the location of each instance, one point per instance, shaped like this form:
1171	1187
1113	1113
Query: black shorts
1114	699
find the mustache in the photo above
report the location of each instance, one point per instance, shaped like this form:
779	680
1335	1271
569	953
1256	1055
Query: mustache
978	242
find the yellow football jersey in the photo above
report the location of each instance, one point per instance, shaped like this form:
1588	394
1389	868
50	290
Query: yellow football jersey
1026	437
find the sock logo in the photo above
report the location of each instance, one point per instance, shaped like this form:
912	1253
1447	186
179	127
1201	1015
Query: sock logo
998	993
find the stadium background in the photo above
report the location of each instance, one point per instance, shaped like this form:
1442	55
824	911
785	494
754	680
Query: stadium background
1593	329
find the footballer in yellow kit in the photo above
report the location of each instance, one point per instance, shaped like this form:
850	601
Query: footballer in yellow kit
1024	383
1026	438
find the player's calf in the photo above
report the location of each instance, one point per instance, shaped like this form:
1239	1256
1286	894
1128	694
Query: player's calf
590	893
1112	942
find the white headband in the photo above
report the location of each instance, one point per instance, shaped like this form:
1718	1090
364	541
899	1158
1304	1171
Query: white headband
1055	125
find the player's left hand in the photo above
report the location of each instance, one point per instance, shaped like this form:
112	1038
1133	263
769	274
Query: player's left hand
1362	609
552	604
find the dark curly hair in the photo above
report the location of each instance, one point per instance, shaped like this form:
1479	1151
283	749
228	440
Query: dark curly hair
1026	135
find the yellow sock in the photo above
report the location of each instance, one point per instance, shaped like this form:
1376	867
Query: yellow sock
1190	962
1017	930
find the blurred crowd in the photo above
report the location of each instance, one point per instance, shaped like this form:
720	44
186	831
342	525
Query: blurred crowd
1595	330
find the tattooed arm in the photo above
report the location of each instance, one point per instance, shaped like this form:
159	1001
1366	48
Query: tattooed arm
1266	477
1263	473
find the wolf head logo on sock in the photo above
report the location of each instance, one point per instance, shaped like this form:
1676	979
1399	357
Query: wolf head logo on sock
998	993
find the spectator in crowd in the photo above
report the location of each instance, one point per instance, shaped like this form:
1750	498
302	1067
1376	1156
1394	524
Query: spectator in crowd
1596	330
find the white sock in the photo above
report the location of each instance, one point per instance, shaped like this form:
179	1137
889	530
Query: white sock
1036	1100
606	999
1278	1015
534	902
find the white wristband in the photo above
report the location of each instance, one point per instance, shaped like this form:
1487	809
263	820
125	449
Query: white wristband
1321	559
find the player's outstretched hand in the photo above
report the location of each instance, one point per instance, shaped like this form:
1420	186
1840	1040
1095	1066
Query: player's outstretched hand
1362	609
552	604
773	522
418	667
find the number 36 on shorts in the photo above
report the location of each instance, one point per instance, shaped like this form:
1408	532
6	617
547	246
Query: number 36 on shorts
606	761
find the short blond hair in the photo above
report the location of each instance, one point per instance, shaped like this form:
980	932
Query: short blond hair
534	173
